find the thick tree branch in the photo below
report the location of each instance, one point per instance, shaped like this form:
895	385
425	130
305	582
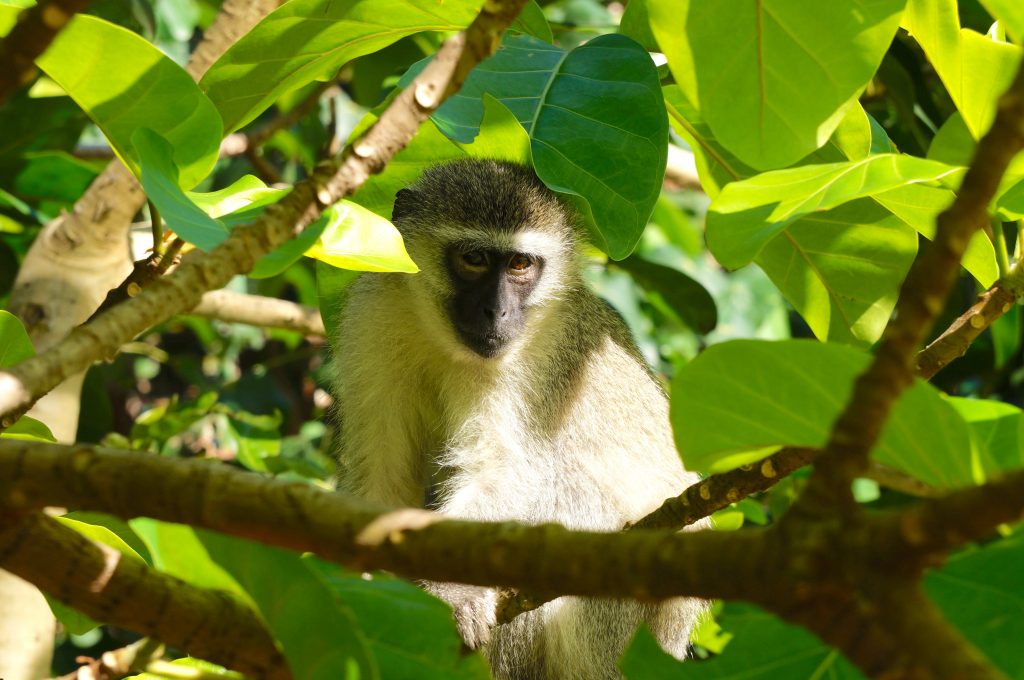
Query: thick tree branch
922	298
257	310
107	586
922	536
36	28
841	585
329	183
409	542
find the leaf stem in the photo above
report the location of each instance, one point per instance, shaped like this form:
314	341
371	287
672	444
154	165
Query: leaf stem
157	227
999	241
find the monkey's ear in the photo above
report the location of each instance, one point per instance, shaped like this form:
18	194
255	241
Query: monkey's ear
405	202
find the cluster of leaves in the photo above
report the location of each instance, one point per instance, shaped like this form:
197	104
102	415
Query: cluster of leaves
827	140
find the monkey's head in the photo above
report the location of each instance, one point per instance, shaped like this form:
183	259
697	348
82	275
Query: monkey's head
495	248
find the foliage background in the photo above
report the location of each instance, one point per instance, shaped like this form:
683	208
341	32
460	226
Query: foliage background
256	397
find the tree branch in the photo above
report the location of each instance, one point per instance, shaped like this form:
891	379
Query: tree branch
922	535
107	586
36	28
329	183
409	542
257	310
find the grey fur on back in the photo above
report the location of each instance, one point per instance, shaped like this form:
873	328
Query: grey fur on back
568	426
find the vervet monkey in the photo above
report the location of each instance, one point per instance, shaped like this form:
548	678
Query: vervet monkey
494	385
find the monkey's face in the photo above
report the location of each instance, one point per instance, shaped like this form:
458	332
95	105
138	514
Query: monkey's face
490	292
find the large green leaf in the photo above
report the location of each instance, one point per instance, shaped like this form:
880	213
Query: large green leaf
356	238
740	399
124	83
762	647
979	591
306	40
611	166
410	633
748	214
841	269
319	633
783	85
975	69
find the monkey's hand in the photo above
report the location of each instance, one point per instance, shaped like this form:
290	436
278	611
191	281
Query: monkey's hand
473	607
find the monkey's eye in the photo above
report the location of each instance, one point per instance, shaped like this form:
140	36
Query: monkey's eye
519	264
474	258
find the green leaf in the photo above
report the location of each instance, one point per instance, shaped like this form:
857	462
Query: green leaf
178	551
501	137
686	297
411	634
244	193
978	590
15	345
919	205
9	11
842	269
159	177
1010	13
319	634
266	63
611	166
997	435
356	238
762	647
636	24
531	21
125	83
29	429
784	84
741	399
975	69
749	213
289	252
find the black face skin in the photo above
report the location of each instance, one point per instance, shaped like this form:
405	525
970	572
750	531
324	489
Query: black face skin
491	289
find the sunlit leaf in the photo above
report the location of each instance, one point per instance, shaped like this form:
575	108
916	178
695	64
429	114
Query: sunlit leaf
739	400
975	69
356	238
307	40
749	213
784	84
124	83
841	269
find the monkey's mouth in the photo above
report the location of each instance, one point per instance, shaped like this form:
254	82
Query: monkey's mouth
487	345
